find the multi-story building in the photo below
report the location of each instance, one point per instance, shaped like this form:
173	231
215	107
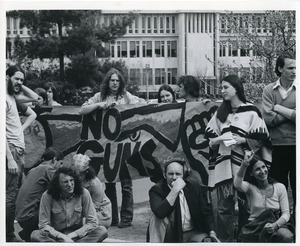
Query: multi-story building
160	46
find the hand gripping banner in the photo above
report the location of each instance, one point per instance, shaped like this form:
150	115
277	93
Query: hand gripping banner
127	141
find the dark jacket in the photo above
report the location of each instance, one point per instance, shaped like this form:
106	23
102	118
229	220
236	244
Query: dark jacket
195	194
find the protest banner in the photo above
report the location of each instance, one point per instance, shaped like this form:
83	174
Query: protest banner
126	138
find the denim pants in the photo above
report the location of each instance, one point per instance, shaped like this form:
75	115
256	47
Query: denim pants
12	191
127	201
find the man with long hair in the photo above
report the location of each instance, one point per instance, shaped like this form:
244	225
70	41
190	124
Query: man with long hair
62	209
15	144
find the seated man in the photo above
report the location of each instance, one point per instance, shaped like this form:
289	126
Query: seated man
31	191
62	209
180	210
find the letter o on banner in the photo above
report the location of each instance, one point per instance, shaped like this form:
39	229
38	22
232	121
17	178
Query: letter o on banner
112	124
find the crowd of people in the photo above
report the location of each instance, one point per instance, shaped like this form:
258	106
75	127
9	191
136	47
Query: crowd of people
252	156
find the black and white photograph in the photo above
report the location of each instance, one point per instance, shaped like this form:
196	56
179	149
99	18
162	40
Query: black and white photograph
148	122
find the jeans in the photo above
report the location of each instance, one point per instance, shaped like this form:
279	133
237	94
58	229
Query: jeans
12	191
127	201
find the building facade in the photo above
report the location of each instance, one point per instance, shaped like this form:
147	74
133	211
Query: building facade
160	46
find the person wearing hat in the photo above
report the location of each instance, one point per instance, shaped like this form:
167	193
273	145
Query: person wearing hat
96	188
181	212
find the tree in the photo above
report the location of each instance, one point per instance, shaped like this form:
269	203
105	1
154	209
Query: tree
266	34
82	32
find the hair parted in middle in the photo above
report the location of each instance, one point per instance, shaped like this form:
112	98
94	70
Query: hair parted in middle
225	108
105	90
165	88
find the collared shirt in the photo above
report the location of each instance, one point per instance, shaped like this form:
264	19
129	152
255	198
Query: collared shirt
63	214
283	92
187	223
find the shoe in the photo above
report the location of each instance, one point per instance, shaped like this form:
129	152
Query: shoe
16	240
114	223
124	224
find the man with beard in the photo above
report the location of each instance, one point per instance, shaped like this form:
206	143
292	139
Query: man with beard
15	144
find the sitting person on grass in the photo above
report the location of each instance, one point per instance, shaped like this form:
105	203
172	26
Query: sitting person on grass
268	202
63	207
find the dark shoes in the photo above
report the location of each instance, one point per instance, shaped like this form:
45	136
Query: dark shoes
124	224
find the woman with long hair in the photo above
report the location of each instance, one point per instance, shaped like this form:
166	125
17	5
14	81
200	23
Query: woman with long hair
166	94
235	127
52	94
268	201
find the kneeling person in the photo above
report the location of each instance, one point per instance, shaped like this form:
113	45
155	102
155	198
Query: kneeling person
62	209
180	210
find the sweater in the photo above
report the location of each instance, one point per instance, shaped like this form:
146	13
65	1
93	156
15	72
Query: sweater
282	132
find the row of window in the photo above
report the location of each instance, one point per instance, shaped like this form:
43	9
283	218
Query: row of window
249	23
233	49
200	22
149	24
134	49
249	75
157	76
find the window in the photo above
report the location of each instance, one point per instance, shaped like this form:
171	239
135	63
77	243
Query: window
173	24
8	23
143	24
134	49
130	28
149	24
147	74
136	26
172	48
147	48
112	50
159	48
172	73
155	24
233	49
160	76
161	24
135	75
15	31
245	51
167	24
121	49
222	50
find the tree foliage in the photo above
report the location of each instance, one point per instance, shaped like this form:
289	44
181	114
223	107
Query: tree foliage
77	32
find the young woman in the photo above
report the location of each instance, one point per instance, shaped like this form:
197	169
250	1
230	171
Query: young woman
52	93
96	188
236	126
267	198
113	92
165	94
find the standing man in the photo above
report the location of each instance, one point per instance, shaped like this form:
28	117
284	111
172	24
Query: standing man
15	145
279	112
62	209
180	209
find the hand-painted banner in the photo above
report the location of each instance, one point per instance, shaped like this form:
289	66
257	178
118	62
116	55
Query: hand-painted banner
127	141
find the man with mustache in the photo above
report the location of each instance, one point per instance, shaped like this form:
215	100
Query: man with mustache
15	145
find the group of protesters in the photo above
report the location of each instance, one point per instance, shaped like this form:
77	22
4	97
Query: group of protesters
252	156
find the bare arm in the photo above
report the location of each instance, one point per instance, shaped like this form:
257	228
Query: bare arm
86	109
31	116
238	180
11	163
27	95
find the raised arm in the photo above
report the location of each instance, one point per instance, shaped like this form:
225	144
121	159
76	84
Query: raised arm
238	179
27	95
